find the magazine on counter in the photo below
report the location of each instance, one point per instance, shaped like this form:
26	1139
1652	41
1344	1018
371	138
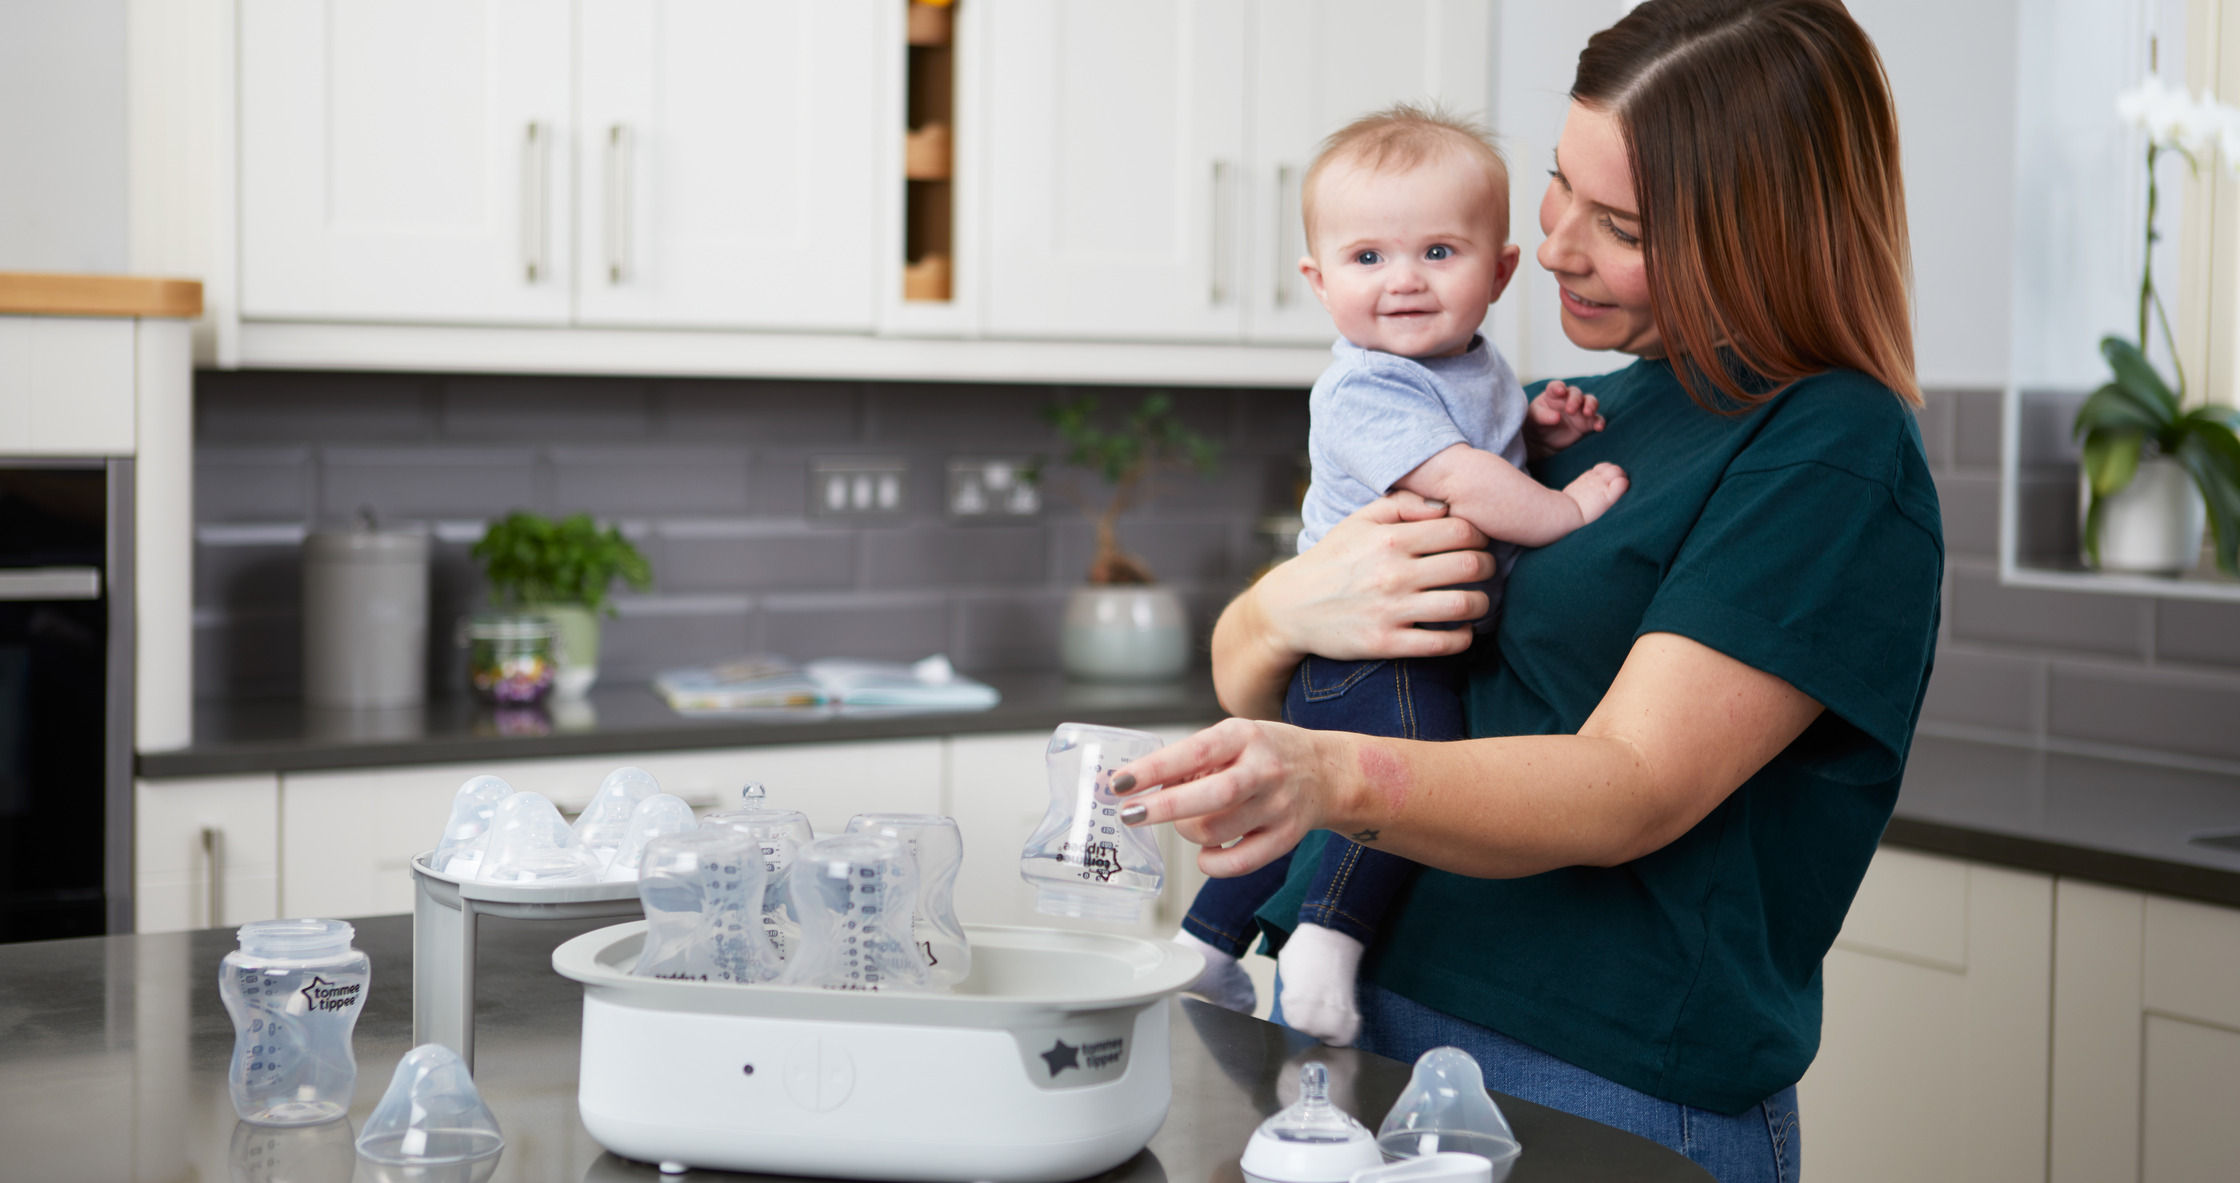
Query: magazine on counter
764	682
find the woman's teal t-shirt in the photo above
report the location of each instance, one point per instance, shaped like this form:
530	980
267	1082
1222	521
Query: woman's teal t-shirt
1801	538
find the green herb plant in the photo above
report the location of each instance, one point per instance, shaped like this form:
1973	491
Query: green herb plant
1128	456
530	559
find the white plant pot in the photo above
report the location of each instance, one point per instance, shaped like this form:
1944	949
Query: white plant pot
2152	525
575	656
1124	634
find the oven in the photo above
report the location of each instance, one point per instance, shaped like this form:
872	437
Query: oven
65	698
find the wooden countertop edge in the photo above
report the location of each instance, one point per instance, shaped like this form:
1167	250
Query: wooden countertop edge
29	293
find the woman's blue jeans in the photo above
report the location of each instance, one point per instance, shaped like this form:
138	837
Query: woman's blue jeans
1758	1145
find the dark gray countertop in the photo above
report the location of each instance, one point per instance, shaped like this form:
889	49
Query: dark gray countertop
113	1056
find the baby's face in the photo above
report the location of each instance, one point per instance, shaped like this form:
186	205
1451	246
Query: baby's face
1408	262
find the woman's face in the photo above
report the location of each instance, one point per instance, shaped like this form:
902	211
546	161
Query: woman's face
1593	245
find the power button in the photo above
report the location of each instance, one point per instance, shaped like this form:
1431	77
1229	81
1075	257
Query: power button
819	1075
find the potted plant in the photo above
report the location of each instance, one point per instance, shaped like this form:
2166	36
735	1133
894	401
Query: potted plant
1123	625
2151	466
562	571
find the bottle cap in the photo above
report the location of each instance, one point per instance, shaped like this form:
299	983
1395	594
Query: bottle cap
1446	1107
433	1115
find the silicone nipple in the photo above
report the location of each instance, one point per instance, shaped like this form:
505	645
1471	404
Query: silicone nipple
433	1117
467	835
1446	1108
605	822
1313	1141
751	795
656	815
529	843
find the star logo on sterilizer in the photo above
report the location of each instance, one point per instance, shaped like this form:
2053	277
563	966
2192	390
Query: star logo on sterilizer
1061	1056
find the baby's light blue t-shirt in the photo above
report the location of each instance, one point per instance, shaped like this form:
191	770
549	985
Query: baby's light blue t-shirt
1374	417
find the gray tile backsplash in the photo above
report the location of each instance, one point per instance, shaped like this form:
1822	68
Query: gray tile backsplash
710	478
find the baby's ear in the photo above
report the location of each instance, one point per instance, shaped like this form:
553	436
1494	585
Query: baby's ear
1504	270
1314	277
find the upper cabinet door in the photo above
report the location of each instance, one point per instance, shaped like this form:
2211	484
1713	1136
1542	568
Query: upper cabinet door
728	162
405	160
1115	183
1317	66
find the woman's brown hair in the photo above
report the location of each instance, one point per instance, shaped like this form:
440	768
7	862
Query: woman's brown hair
1764	151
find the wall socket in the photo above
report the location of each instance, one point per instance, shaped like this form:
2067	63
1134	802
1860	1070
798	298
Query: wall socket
993	487
858	487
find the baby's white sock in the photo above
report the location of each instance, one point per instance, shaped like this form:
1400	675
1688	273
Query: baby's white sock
1224	982
1318	966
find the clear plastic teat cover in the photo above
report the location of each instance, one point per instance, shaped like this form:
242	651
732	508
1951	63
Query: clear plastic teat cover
433	1115
467	835
605	822
1446	1107
937	847
531	843
779	834
1082	860
702	891
855	894
656	815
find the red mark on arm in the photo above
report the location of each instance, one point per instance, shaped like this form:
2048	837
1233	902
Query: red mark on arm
1387	775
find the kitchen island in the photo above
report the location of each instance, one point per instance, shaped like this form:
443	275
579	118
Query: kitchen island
113	1054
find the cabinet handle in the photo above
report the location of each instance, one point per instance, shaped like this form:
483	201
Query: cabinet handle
1217	238
50	583
214	866
1283	211
535	151
621	178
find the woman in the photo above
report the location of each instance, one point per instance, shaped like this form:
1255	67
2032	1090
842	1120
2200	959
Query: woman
1694	731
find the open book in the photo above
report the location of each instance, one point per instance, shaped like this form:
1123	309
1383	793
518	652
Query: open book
766	682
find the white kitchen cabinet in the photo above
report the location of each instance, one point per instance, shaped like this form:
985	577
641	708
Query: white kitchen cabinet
726	163
2146	1038
205	852
998	791
1138	187
406	160
1318	65
1933	1056
66	386
348	837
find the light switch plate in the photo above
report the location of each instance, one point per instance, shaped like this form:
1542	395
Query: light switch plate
985	487
859	488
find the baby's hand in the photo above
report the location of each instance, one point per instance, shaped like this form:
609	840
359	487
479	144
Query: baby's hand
1560	417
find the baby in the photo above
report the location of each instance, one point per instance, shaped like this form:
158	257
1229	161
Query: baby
1407	221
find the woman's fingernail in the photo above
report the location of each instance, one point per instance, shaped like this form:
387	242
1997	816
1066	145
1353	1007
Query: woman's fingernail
1134	814
1124	783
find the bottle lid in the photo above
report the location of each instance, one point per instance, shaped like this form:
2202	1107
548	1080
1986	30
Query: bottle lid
295	939
1446	1107
1313	1141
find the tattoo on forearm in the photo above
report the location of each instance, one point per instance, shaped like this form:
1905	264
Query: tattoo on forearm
1365	836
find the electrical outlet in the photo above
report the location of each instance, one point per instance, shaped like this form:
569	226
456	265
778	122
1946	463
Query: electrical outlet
992	487
858	486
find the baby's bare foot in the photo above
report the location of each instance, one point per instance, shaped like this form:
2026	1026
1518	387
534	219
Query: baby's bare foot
1596	490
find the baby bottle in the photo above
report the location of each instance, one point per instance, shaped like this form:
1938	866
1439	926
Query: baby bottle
855	894
937	846
294	989
1081	860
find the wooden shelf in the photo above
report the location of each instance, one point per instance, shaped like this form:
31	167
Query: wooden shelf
24	293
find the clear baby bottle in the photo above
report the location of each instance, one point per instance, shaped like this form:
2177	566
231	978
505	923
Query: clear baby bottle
855	894
937	846
779	834
702	891
1081	860
294	989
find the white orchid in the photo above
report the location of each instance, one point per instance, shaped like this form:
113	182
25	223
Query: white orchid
2173	118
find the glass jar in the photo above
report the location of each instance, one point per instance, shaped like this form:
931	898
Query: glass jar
509	657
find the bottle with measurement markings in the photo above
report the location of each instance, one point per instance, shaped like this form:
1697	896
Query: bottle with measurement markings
294	989
1082	860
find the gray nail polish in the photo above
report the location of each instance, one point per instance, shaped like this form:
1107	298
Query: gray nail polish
1133	814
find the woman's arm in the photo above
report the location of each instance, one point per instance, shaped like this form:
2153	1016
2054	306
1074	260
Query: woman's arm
1356	594
1682	727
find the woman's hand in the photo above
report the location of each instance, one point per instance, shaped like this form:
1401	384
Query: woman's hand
1260	785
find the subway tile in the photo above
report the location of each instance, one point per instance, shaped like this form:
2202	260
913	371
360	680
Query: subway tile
2043	437
982	417
253	484
879	627
1975	429
2046	518
1209	411
261	406
1936	428
1984	610
649	479
646	639
759	412
758	557
1007	631
248	655
943	556
1970	505
2165	710
1985	690
538	408
1176	552
427	482
2204	632
237	579
1268	422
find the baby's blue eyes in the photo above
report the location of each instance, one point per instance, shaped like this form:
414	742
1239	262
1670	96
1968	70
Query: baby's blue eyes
1441	251
1435	253
1368	258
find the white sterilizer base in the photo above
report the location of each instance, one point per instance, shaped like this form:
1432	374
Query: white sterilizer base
1048	1063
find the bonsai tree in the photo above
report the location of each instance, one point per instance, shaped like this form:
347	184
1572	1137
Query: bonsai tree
1128	456
530	559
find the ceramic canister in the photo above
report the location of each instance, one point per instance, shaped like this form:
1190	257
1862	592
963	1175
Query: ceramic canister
365	618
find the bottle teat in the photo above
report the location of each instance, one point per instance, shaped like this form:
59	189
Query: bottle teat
1313	1141
1445	1108
751	795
